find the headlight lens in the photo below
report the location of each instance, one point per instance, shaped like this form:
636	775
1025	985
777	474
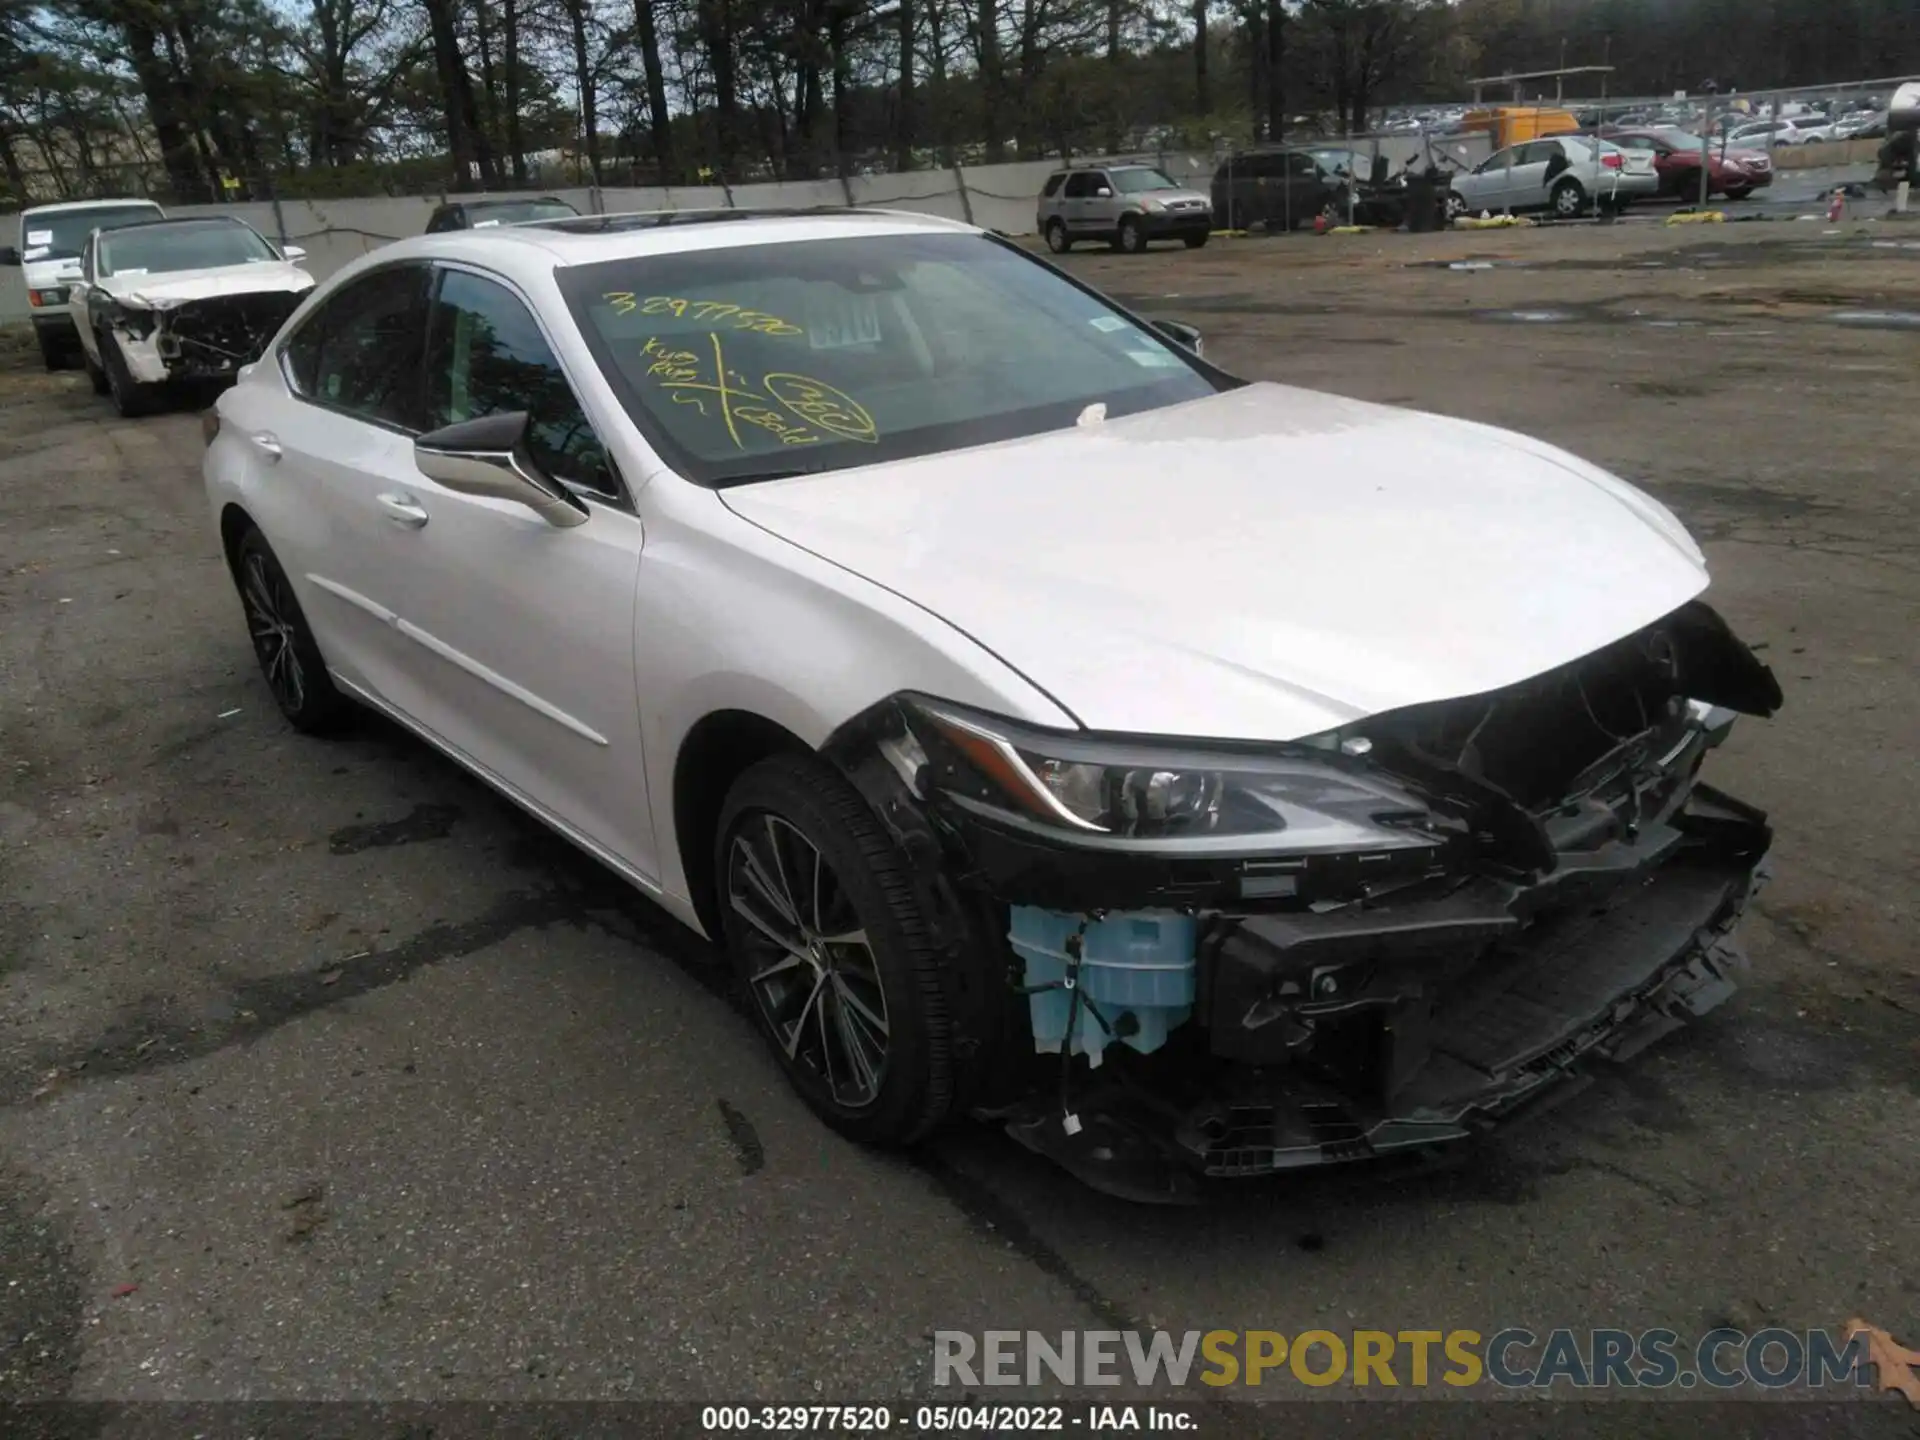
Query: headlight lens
1292	799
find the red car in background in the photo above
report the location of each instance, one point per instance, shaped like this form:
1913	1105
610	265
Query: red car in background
1733	172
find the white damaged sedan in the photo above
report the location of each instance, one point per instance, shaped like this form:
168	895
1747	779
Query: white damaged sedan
1199	777
179	299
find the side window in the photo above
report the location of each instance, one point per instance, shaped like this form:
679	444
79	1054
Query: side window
1499	160
1082	183
486	355
1053	184
360	352
1303	165
442	219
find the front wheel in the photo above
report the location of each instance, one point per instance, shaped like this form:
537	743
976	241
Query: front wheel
130	398
1132	237
1194	242
829	946
1058	241
1569	200
95	374
1739	192
1456	205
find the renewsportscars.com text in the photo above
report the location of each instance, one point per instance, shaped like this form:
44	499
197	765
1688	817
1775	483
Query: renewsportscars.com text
1513	1358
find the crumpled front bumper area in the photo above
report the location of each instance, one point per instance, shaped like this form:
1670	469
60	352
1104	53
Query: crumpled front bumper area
1318	1039
1428	1024
201	339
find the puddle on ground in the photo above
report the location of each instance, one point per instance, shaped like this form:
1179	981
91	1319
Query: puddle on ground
1878	319
1530	317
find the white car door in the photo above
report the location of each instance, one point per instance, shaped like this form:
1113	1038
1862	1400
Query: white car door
1486	187
524	631
337	442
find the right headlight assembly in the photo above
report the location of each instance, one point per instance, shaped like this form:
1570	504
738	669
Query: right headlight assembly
1311	797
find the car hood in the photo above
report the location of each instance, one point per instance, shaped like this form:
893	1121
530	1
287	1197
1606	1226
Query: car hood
177	287
1265	563
1181	197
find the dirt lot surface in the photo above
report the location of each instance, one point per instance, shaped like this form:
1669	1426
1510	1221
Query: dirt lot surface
374	1091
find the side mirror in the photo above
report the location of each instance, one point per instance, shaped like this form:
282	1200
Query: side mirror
1181	334
488	457
1103	193
9	255
294	253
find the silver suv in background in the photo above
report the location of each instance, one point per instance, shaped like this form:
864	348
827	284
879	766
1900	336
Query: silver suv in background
1129	206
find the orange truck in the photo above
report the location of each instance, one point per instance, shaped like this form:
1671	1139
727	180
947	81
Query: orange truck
1512	124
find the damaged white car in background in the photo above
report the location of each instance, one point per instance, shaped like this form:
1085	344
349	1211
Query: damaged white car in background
1200	778
179	299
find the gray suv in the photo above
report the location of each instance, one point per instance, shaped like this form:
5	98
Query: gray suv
1127	205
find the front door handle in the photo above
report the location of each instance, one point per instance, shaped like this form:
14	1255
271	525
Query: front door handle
266	443
403	509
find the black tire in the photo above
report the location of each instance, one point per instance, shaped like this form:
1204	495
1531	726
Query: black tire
1741	192
778	808
53	355
1456	206
94	373
1058	241
283	643
1195	242
130	398
1568	200
1130	238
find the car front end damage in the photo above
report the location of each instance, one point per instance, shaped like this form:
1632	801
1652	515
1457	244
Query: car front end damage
200	339
1177	959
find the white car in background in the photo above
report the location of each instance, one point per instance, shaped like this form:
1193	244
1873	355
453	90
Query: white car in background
179	299
1039	717
50	240
1566	174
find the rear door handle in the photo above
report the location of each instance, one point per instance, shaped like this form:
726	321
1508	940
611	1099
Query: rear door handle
266	443
403	509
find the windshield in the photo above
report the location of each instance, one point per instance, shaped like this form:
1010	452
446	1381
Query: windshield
158	249
515	212
750	362
62	234
1132	182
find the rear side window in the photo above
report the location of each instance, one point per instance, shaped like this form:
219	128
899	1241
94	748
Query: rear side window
1082	184
360	352
1053	184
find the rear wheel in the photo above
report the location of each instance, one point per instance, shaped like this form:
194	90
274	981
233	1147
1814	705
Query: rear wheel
283	642
831	951
53	354
1569	200
1058	241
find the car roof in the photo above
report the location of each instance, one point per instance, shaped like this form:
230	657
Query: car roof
70	205
481	202
548	245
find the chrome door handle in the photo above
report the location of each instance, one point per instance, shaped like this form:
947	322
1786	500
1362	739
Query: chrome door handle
266	443
403	510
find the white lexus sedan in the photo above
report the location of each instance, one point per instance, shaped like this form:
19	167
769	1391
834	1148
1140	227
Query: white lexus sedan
1199	777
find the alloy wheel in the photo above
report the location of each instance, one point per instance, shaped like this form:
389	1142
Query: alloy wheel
811	969
270	612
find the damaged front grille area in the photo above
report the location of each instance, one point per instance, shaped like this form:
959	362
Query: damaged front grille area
1204	1012
216	336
